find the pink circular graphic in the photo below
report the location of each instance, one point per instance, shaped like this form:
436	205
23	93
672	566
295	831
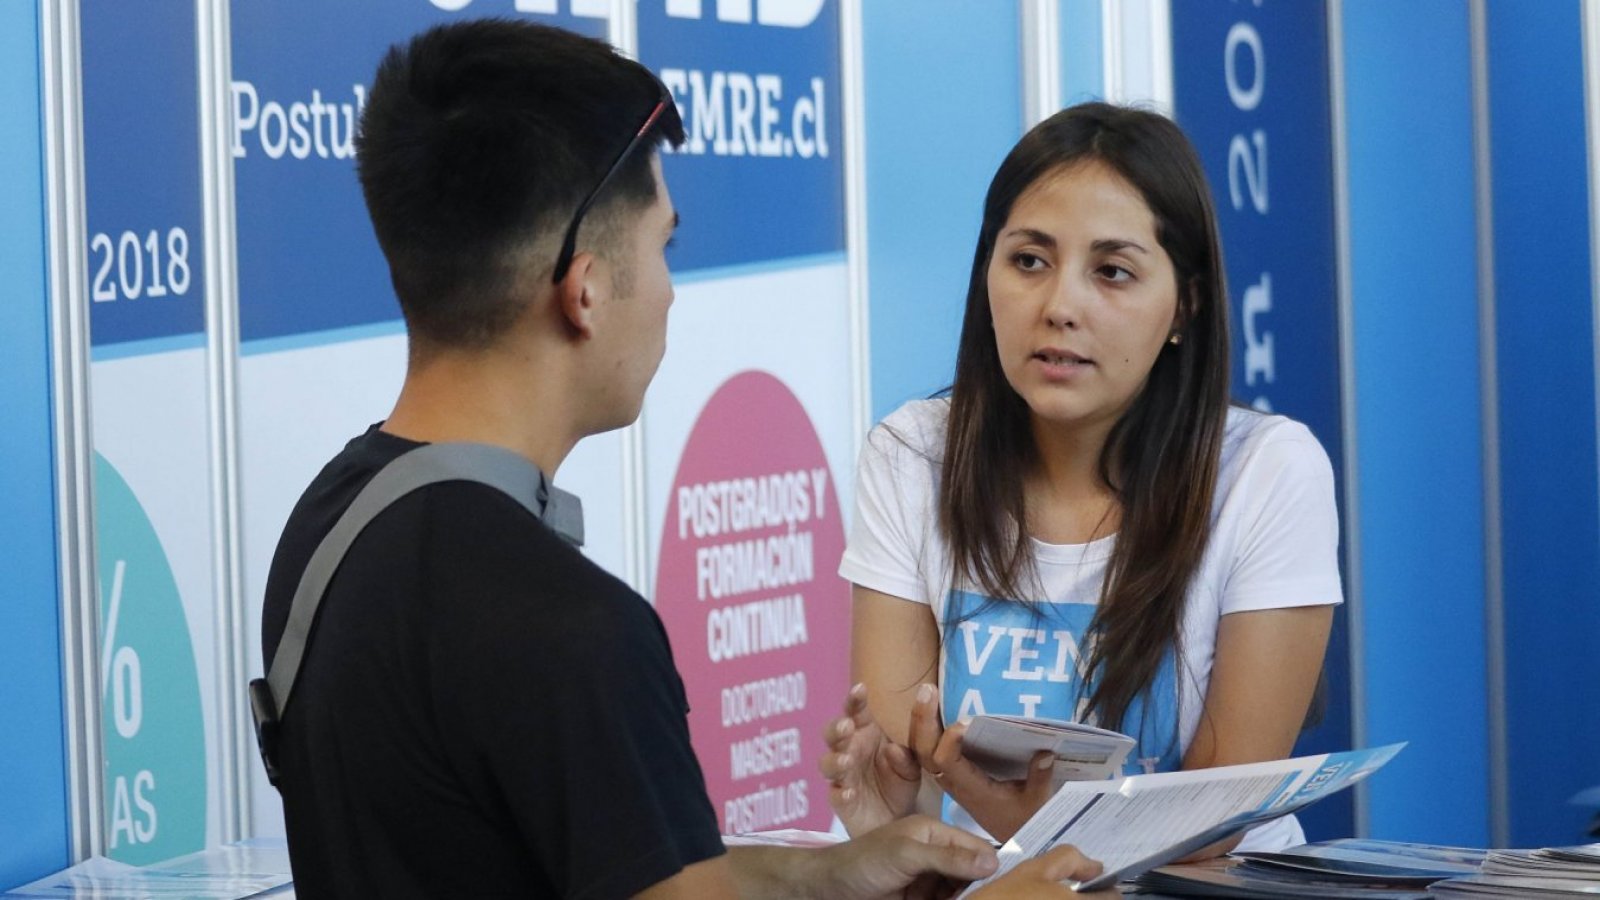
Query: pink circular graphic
749	591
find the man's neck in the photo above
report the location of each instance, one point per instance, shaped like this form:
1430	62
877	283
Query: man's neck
489	397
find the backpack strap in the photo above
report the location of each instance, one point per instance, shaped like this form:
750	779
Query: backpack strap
508	472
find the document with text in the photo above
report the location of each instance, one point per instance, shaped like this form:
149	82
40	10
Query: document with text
1135	823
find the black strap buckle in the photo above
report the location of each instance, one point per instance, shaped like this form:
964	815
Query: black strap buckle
264	709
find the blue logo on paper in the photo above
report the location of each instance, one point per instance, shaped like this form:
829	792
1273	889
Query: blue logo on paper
1006	660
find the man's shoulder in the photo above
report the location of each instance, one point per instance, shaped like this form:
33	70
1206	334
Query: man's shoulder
487	543
461	539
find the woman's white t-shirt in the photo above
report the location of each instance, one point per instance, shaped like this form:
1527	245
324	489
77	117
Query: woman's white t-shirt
1274	544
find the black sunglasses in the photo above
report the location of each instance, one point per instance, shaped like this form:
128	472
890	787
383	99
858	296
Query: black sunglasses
569	243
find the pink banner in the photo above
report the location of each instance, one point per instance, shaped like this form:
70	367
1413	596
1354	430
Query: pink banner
759	619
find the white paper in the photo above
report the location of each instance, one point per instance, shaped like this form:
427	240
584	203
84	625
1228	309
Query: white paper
1139	822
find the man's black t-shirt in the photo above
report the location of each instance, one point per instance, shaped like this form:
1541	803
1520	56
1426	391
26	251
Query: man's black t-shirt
482	711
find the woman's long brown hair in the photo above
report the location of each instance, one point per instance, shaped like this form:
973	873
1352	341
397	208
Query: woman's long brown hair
1160	459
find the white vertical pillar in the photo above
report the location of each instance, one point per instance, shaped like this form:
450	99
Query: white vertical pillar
1138	52
61	58
1591	103
219	216
853	125
1041	60
1493	563
1351	531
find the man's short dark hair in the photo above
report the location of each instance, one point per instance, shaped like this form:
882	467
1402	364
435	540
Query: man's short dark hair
478	142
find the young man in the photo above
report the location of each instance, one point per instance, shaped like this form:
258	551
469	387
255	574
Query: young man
481	710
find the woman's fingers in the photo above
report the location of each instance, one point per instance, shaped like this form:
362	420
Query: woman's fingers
1041	772
925	728
902	764
855	705
959	776
837	733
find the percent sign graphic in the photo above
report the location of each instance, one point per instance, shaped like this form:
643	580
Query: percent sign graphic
154	752
121	683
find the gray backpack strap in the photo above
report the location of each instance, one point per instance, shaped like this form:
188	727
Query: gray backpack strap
501	469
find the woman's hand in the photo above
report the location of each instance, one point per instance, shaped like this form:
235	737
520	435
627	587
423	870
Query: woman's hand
872	780
1001	807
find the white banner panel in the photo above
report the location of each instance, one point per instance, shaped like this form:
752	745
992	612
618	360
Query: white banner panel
157	651
748	434
156	648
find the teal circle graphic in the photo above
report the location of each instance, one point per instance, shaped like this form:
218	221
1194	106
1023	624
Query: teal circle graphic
152	722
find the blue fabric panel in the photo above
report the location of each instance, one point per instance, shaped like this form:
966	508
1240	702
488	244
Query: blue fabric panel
1082	51
33	791
1419	426
1276	214
1545	335
943	106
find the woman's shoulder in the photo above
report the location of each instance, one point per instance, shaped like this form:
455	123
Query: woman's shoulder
918	426
1267	443
1248	432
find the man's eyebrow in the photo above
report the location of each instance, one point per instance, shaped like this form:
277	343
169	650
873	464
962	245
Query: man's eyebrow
676	221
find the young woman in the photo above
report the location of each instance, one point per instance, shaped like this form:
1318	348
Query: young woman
1083	528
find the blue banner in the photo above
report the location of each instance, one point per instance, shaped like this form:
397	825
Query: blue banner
1251	89
142	171
308	261
761	176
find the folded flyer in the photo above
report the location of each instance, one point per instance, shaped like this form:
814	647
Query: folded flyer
1368	858
1135	823
1241	878
1003	746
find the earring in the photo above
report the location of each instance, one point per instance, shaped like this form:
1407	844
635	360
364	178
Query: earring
1175	338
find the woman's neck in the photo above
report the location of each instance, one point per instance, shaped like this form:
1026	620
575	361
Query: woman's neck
1068	501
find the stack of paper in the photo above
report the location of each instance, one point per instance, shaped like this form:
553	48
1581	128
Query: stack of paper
1136	823
1229	877
1551	872
1375	870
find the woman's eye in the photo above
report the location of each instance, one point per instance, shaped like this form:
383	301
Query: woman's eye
1028	262
1114	273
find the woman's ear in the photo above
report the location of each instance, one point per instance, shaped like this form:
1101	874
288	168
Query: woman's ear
1188	305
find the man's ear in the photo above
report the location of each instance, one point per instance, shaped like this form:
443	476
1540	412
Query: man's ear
576	295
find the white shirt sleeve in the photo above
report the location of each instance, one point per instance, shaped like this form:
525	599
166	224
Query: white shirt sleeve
893	509
1285	528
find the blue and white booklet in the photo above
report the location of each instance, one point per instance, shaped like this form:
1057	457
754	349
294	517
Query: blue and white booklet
1135	823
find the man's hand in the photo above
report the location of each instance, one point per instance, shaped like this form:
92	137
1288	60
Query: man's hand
1001	807
1042	877
924	859
914	857
872	780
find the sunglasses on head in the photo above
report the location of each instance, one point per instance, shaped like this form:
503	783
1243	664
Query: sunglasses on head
569	243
